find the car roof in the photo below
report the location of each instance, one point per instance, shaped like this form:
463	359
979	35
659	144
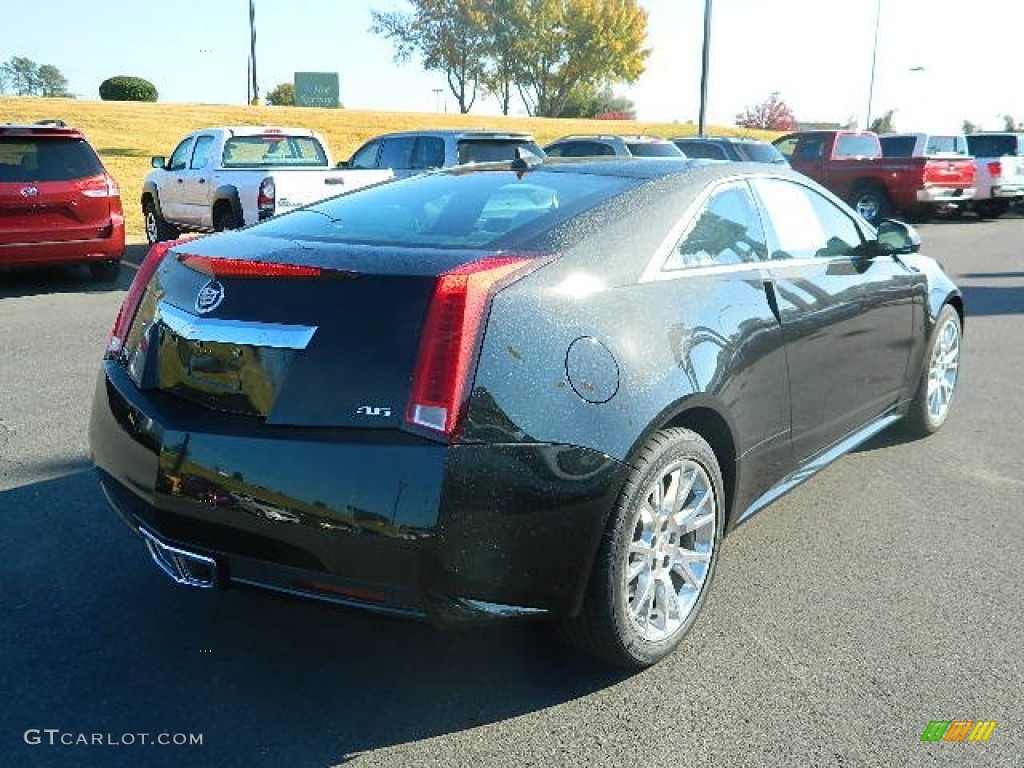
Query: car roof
40	129
609	136
459	133
722	139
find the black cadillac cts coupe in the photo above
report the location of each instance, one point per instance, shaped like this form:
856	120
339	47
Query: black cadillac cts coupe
513	390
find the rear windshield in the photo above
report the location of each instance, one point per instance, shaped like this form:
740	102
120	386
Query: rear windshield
273	150
946	145
494	150
897	146
760	153
41	158
652	149
703	150
995	146
458	210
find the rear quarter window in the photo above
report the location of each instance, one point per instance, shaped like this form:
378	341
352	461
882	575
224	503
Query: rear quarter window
493	150
46	159
651	149
897	146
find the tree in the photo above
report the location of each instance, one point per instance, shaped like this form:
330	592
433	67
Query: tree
499	72
1009	124
772	115
968	127
127	88
51	82
567	46
282	95
23	75
883	124
449	36
598	103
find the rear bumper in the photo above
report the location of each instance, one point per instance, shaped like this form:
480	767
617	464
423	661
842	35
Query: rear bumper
63	251
1009	191
393	523
945	194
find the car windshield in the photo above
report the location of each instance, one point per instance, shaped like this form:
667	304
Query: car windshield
458	210
38	159
653	149
946	145
273	150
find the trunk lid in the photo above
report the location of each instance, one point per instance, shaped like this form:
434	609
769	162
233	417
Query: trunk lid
335	348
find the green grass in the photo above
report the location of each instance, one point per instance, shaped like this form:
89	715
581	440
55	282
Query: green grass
127	134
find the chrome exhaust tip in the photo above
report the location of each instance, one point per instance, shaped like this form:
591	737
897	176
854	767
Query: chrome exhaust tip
183	567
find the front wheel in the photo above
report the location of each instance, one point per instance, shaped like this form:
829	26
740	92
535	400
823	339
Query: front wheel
934	396
658	554
157	228
871	202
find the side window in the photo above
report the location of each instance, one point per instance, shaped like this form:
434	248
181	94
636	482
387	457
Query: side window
201	154
704	150
581	149
179	158
428	152
726	231
787	145
397	153
803	224
366	156
852	146
809	148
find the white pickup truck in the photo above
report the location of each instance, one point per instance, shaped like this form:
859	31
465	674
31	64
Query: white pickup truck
229	177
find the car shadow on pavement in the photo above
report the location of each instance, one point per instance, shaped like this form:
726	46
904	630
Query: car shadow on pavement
96	640
70	278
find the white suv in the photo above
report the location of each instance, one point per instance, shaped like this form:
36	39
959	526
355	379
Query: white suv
999	171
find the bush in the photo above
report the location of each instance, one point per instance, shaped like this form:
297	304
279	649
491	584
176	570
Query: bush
282	96
125	88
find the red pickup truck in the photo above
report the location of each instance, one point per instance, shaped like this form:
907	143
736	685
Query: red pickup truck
852	166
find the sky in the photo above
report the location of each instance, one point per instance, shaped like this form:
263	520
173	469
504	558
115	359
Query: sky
938	62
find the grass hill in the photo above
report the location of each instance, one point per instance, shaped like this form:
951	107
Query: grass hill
127	134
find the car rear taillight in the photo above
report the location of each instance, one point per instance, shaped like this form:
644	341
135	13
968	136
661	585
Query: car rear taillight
217	267
103	186
266	200
133	298
995	169
450	338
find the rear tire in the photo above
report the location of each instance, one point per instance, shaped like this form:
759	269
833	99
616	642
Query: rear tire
105	271
157	228
934	397
224	219
657	556
871	202
991	209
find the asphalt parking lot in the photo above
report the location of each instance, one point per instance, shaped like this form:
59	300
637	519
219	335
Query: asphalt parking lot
884	594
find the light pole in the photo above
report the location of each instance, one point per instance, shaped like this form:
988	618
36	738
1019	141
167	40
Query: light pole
254	93
704	68
874	60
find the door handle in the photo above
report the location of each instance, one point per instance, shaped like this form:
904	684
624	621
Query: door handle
181	181
202	181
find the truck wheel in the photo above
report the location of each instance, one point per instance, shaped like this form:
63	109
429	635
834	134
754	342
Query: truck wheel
871	202
224	218
105	271
157	228
991	209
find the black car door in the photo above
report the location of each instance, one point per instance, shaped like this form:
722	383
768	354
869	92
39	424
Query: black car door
849	321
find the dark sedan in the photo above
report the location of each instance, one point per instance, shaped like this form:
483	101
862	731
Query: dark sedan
513	390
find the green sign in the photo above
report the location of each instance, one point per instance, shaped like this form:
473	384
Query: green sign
317	89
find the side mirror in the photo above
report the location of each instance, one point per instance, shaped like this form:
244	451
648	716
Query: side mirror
896	237
158	161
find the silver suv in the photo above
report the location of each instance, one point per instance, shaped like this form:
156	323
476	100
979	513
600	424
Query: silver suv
410	152
612	146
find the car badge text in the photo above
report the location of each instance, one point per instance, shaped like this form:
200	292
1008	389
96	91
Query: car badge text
210	296
373	410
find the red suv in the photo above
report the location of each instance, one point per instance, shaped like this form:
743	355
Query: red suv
58	204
